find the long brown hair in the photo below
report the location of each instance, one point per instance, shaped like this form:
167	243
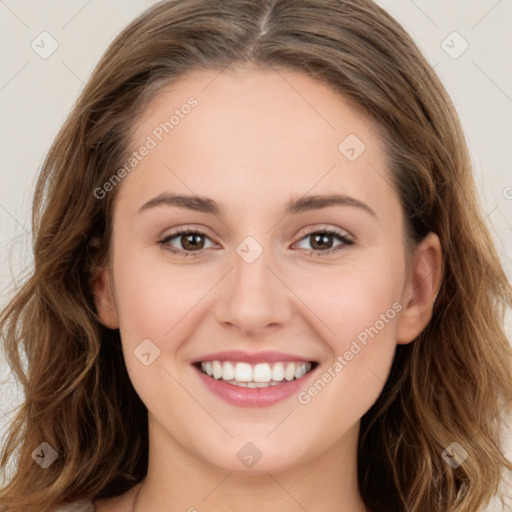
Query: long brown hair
452	384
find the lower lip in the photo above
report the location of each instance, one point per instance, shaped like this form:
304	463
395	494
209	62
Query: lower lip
253	397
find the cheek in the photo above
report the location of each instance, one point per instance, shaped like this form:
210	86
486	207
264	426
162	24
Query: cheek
352	297
359	306
152	296
154	304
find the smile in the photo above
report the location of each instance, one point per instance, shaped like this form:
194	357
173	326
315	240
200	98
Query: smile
261	375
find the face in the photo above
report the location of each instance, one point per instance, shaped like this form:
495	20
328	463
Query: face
296	262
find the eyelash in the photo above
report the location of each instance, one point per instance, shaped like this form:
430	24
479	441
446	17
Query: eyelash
311	252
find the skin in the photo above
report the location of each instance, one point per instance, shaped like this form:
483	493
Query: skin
257	139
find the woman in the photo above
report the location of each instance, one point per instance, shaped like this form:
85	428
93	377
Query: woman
261	277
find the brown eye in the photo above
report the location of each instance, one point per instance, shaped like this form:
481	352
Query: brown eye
322	241
191	242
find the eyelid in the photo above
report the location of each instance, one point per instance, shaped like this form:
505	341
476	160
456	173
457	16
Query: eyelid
307	230
315	228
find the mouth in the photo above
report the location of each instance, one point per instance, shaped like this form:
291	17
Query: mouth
260	375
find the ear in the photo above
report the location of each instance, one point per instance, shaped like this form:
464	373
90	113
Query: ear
421	289
104	299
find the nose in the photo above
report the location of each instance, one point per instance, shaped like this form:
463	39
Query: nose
254	298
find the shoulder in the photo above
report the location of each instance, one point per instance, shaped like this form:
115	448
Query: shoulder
77	506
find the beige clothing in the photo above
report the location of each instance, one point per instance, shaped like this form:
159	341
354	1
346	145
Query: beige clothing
77	506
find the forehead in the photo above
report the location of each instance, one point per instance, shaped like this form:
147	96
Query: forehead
258	102
257	132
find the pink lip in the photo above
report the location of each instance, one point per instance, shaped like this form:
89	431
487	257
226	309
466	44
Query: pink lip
251	358
254	397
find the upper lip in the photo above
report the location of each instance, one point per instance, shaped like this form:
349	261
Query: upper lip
265	356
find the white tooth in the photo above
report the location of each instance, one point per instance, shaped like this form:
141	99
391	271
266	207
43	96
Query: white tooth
251	384
278	372
300	370
289	372
243	372
228	371
217	369
262	373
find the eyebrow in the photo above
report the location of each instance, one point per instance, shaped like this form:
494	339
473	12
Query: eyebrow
293	207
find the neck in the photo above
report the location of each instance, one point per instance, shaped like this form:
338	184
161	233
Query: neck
177	478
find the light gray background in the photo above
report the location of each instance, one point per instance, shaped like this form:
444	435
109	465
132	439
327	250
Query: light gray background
36	95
